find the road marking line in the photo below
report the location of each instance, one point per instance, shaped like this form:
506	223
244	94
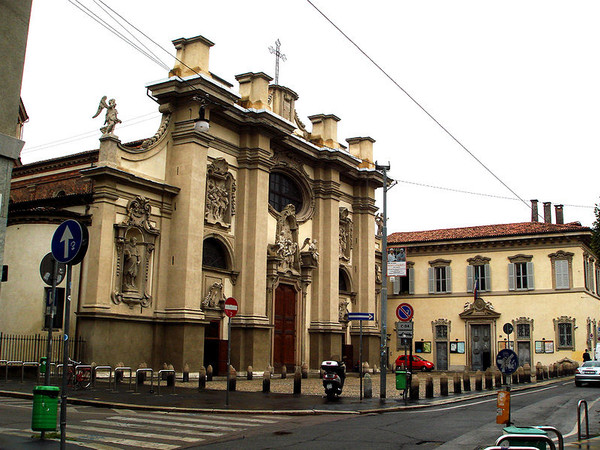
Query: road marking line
212	419
191	425
118	441
238	418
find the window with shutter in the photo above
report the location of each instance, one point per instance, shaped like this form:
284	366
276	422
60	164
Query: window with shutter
561	273
440	277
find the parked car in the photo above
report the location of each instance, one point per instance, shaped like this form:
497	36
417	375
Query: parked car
589	372
418	363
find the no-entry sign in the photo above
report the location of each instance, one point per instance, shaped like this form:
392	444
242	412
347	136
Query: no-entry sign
231	307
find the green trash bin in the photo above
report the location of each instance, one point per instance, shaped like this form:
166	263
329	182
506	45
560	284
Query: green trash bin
526	441
401	377
45	406
43	364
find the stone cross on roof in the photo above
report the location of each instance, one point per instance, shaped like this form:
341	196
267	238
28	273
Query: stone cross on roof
278	55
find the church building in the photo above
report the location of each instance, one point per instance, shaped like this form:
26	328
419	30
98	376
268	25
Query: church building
232	197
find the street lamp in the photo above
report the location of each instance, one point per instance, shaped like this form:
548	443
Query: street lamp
201	124
382	388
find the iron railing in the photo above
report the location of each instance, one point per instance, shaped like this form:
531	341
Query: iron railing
31	347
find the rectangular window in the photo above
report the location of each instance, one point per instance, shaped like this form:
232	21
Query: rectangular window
440	280
479	274
520	276
441	332
523	331
404	285
565	335
597	280
59	304
561	274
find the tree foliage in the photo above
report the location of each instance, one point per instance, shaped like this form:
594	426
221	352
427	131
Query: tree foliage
596	232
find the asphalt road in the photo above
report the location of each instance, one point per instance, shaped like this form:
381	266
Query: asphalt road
468	425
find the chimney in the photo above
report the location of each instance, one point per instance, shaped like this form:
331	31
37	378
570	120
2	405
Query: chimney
547	212
362	147
254	89
324	130
193	54
534	210
558	212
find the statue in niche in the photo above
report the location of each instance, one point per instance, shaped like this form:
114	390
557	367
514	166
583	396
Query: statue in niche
312	249
343	311
214	297
220	193
131	263
379	224
111	119
345	234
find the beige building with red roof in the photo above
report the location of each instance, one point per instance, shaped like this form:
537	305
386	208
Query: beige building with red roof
465	284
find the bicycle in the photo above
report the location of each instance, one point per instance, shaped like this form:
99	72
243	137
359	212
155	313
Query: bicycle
79	377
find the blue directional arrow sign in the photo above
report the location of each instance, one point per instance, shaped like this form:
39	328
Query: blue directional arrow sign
361	316
69	242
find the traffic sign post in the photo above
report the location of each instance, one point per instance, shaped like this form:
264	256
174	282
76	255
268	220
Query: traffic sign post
507	361
69	245
405	312
230	309
360	317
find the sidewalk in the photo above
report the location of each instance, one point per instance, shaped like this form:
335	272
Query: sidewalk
249	398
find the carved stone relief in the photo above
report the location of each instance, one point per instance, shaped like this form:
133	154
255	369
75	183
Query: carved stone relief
343	310
220	194
135	239
285	250
214	297
346	229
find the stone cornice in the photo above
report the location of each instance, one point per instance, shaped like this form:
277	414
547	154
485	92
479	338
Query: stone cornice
107	173
255	158
80	159
184	133
327	189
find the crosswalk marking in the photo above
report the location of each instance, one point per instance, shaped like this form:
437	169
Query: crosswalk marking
226	419
120	442
193	426
217	420
134	433
191	432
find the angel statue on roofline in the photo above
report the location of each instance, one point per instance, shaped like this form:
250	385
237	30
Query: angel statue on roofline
111	119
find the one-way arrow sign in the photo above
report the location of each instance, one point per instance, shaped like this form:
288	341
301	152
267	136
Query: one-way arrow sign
361	316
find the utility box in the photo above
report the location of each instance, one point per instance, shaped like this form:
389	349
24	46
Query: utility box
401	379
45	407
527	440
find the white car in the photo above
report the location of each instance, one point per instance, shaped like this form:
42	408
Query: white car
589	372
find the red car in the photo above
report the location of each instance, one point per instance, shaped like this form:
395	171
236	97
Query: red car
418	363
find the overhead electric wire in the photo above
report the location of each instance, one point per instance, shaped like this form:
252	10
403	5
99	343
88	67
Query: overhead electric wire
417	103
101	21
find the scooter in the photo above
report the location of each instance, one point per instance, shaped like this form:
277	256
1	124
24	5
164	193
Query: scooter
334	375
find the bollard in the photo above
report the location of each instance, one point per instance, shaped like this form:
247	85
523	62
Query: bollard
539	372
249	373
141	376
304	370
457	383
164	374
298	381
266	381
119	374
367	386
232	379
171	376
429	386
209	373
414	387
514	378
545	374
366	367
489	384
497	378
201	378
521	374
527	373
444	385
283	371
466	381
478	381
186	373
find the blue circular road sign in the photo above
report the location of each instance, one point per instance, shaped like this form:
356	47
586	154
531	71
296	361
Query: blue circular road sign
507	361
69	242
404	312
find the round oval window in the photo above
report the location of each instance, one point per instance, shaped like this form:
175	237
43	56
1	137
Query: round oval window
284	191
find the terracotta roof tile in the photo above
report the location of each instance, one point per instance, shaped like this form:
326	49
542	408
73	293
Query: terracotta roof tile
484	231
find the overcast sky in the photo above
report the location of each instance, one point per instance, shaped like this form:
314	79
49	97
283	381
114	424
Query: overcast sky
515	82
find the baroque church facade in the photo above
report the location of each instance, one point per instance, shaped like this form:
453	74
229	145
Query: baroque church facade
232	197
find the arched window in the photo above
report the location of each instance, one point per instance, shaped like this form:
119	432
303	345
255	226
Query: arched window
214	254
283	191
344	283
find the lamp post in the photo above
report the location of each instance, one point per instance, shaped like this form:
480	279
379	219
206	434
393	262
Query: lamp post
382	388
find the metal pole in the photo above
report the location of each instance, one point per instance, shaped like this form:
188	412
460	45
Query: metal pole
63	397
228	361
50	318
360	367
382	388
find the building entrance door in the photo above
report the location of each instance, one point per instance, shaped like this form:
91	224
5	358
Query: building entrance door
481	349
285	328
524	352
441	355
